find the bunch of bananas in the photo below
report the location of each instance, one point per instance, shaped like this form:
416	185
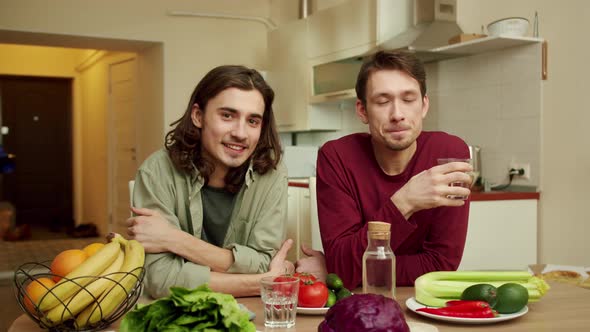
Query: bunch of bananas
94	289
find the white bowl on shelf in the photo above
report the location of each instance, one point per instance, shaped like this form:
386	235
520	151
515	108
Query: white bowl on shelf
510	26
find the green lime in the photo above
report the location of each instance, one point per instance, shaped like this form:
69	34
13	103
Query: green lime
480	292
511	298
331	298
333	281
343	293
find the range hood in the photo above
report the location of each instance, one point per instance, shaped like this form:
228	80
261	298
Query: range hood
434	23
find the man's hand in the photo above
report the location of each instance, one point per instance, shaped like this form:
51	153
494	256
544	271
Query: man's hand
151	229
279	264
315	263
430	188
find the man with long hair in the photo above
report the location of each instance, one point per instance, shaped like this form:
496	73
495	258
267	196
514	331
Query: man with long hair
391	174
211	207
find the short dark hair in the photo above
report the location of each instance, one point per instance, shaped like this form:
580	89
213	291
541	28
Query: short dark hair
390	60
184	141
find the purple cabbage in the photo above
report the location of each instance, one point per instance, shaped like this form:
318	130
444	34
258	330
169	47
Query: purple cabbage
364	312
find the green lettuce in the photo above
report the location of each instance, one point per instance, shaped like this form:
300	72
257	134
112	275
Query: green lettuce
199	309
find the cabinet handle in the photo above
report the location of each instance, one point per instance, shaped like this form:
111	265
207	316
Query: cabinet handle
337	94
544	51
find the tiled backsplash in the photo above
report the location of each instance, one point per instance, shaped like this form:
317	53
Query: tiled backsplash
492	100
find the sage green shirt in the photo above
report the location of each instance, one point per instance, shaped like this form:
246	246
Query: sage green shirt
256	231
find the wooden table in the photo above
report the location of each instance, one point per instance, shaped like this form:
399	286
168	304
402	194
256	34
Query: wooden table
564	308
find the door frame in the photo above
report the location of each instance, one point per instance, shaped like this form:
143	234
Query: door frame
111	144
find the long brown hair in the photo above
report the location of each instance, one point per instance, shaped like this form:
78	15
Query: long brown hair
184	141
390	60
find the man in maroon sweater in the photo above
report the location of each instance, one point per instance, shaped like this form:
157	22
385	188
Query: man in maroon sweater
391	175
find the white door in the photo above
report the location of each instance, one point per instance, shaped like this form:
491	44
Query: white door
122	139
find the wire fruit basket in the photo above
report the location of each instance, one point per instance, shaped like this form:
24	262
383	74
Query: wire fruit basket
29	272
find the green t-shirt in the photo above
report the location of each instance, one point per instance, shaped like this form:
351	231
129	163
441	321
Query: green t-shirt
218	205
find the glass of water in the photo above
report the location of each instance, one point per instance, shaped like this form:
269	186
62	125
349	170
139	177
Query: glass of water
279	296
459	184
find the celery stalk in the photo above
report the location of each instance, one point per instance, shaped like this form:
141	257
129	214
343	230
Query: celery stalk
436	288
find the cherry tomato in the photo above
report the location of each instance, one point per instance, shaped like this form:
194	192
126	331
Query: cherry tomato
305	277
312	294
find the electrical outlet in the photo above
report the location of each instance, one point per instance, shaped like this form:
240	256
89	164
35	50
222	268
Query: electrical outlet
525	167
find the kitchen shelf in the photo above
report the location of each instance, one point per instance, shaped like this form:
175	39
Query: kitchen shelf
474	46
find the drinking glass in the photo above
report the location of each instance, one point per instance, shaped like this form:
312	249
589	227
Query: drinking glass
442	161
279	296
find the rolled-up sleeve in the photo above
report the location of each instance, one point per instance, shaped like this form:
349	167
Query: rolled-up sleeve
164	270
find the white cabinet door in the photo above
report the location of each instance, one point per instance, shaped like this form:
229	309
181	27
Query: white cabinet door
289	76
356	26
342	27
287	47
502	235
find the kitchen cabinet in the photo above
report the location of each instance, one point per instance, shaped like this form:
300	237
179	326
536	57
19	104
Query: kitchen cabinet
289	76
502	235
333	82
356	26
298	220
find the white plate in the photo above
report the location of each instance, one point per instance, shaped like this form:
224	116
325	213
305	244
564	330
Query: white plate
312	311
414	305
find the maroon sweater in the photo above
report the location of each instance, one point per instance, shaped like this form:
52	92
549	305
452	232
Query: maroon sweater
352	190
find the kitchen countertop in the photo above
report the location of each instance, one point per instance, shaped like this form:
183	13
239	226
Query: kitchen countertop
475	196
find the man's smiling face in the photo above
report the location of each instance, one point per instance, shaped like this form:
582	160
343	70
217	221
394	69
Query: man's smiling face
230	127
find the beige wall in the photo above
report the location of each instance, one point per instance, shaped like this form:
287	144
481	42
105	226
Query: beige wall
564	228
191	45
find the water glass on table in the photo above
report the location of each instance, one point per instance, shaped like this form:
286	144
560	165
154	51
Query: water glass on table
279	296
442	161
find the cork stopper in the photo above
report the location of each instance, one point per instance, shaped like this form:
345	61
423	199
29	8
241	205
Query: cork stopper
379	230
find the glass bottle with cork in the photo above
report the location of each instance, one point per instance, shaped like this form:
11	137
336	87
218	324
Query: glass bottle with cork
379	261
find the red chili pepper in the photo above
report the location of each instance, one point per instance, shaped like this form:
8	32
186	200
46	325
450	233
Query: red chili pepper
485	313
467	305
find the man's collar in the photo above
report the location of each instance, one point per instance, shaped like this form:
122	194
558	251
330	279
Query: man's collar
250	175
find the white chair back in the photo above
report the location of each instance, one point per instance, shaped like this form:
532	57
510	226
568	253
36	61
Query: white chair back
131	185
316	238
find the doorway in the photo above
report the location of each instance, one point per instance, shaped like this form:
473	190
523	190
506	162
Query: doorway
38	114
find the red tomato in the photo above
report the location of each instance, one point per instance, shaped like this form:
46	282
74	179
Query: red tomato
305	277
312	294
286	288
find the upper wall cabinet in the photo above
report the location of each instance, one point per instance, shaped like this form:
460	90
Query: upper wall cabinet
289	76
356	26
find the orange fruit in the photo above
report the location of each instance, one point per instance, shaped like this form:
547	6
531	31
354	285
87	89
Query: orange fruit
92	248
66	261
35	291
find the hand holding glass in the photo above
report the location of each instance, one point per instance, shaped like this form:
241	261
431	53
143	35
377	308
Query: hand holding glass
442	161
279	295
